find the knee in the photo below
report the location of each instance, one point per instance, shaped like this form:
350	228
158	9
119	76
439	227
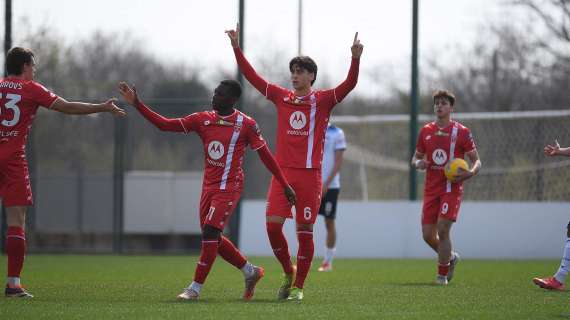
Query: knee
16	216
304	227
429	237
443	233
211	233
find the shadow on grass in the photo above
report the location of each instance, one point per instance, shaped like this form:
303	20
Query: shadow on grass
415	284
224	301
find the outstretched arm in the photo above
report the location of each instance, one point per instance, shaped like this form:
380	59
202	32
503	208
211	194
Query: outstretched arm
556	150
162	123
350	82
80	108
272	165
249	73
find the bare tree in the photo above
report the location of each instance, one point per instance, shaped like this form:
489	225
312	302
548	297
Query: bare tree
555	17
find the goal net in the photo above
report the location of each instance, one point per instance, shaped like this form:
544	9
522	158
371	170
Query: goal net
510	145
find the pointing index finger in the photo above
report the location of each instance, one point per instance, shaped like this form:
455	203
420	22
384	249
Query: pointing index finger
355	38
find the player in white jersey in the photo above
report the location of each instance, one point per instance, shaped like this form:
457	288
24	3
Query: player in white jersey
556	282
335	145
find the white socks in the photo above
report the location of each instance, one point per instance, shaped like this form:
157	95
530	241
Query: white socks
13	281
247	270
565	264
329	255
196	287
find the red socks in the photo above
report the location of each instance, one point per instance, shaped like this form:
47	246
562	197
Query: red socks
443	269
15	250
279	245
228	251
281	251
304	256
207	258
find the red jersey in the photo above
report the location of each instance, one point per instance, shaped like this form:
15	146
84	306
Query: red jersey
225	140
441	146
19	102
301	121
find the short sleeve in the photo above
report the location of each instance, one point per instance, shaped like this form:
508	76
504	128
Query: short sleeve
468	142
420	145
41	95
190	122
254	137
340	141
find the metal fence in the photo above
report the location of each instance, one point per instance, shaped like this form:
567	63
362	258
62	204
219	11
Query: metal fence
78	167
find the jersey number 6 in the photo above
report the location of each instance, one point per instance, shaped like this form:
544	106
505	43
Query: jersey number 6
307	213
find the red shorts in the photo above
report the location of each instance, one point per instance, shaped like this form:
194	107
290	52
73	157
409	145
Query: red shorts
15	187
216	207
308	187
445	206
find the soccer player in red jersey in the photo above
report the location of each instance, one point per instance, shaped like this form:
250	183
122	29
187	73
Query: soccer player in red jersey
440	142
225	133
20	97
302	118
557	281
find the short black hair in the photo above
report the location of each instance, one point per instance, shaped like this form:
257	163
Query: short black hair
234	87
16	58
304	62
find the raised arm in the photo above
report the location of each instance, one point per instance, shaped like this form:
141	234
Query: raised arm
249	73
162	123
80	108
350	82
273	167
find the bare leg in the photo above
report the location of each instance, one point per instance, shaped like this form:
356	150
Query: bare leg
331	233
429	232
444	248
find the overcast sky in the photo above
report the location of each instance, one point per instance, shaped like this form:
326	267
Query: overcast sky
192	31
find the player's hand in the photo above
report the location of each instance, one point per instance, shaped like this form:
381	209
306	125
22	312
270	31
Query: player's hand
290	194
325	188
357	47
421	164
234	36
552	150
462	175
112	108
128	93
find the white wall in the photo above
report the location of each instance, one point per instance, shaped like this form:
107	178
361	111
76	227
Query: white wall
393	230
162	202
168	202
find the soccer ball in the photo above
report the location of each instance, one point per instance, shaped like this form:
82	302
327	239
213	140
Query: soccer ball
452	167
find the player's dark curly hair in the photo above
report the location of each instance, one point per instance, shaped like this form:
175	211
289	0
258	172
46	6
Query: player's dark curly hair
234	86
304	62
444	94
16	58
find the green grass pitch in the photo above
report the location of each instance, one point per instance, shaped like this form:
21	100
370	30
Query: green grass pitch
145	287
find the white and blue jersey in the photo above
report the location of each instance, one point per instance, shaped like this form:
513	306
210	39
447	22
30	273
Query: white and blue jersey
334	141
